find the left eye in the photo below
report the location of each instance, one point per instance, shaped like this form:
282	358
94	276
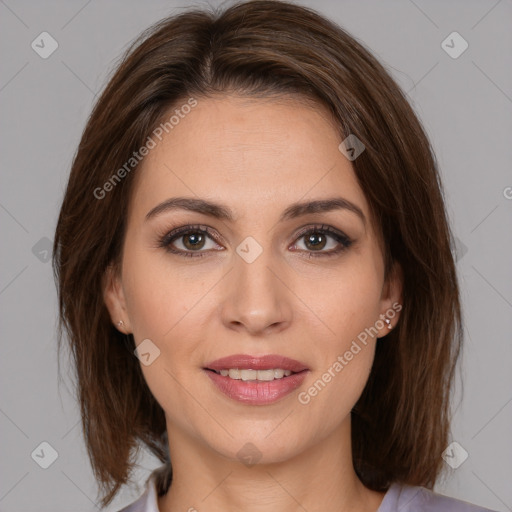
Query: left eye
317	240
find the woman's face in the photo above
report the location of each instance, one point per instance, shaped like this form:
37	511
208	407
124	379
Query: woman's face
265	279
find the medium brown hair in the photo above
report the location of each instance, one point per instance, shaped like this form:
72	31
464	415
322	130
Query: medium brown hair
400	424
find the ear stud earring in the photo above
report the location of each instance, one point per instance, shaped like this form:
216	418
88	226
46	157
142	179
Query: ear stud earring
120	323
388	323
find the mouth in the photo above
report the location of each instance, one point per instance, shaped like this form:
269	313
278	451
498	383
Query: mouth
247	367
250	375
256	380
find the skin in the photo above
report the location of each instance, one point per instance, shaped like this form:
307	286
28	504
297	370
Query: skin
256	157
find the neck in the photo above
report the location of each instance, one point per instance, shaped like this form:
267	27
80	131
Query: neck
321	478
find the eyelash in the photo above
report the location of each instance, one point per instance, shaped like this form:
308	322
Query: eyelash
166	240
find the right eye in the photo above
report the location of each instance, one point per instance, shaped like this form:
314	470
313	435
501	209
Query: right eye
191	239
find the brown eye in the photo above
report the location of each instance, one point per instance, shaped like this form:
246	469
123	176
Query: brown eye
193	240
315	241
189	241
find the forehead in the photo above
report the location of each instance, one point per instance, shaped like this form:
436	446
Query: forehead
248	152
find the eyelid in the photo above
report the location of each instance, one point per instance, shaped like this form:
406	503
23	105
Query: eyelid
322	228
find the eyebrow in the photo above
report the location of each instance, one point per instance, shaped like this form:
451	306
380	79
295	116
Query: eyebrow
222	213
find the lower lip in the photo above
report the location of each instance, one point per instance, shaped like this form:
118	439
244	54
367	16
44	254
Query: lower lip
257	392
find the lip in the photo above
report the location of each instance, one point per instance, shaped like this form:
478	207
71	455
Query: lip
257	392
248	362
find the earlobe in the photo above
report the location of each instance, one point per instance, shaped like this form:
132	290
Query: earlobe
114	299
391	301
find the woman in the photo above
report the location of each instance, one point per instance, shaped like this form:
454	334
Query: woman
255	273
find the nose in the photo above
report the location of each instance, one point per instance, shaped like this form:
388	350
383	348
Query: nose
257	297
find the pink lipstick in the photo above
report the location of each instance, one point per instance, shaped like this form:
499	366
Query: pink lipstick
256	380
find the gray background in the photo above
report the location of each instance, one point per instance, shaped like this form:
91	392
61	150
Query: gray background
465	105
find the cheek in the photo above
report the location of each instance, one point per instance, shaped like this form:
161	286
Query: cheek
348	304
160	307
156	297
349	300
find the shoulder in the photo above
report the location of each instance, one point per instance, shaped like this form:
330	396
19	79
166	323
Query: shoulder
407	498
147	502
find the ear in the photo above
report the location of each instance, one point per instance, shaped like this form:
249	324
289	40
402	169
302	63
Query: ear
114	298
391	301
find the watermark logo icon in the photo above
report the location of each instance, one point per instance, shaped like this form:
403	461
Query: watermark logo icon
42	250
147	352
351	147
454	455
44	455
454	45
44	45
460	250
249	249
249	454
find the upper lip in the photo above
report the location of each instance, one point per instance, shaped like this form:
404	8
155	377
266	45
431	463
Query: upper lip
248	362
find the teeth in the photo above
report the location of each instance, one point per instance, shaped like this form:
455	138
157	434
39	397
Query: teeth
248	374
265	375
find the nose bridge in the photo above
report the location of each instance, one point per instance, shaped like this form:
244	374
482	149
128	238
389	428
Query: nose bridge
257	297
